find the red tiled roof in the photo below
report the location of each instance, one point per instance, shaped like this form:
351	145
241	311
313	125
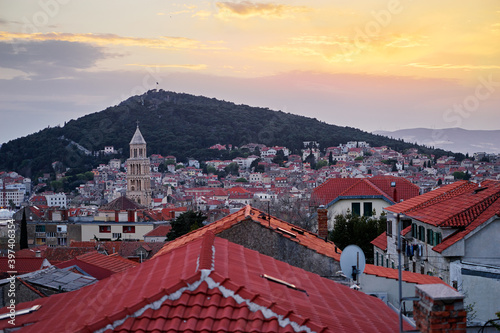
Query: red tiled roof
292	232
21	265
441	194
461	205
409	277
122	203
115	264
380	241
458	210
99	265
488	213
375	186
210	284
159	231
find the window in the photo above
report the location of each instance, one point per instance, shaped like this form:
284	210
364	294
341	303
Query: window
376	259
421	233
104	228
40	241
128	229
51	234
367	209
356	208
437	238
61	241
389	228
430	237
40	228
117	235
62	228
414	230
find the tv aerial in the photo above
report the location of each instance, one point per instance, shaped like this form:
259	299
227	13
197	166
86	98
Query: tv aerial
352	262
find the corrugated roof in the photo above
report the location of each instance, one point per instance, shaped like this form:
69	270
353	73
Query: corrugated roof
211	284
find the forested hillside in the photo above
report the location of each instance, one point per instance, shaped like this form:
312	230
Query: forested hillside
174	124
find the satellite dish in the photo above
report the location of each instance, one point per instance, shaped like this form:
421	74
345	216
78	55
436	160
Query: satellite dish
352	261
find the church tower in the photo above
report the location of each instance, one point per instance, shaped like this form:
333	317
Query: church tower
138	171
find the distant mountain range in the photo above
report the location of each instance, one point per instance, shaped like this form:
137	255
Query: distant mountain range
453	139
175	124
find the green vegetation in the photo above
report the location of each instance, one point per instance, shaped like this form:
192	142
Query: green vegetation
186	222
175	124
358	230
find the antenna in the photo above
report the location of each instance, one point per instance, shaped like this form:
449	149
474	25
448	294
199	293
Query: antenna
352	262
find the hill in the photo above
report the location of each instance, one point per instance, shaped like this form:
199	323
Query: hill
454	139
174	124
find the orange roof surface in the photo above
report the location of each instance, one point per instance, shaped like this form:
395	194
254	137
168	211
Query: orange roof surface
380	241
159	231
380	186
210	285
409	277
288	230
461	205
441	194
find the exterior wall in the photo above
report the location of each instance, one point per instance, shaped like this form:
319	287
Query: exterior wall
268	242
372	284
52	235
482	245
56	200
89	230
341	207
14	195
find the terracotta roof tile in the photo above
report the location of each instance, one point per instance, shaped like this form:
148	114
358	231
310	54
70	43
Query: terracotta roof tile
171	293
160	231
285	229
22	265
410	277
375	186
380	241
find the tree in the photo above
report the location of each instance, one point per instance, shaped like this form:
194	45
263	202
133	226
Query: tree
330	158
321	164
241	180
311	160
23	242
233	169
186	222
359	230
279	158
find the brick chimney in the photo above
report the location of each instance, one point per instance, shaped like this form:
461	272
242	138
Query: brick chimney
440	309
322	222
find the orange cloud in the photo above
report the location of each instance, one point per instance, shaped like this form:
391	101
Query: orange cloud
164	42
450	66
247	9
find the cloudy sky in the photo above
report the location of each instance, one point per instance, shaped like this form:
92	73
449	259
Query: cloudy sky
369	64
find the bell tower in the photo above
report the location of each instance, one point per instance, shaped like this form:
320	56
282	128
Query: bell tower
139	171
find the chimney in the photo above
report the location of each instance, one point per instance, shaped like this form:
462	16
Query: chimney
38	254
322	222
440	308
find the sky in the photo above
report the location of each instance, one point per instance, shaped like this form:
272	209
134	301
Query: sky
372	65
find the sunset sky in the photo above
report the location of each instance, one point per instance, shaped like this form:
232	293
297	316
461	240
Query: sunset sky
373	65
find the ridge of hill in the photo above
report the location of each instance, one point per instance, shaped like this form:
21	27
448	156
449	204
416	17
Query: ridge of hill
176	124
454	139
